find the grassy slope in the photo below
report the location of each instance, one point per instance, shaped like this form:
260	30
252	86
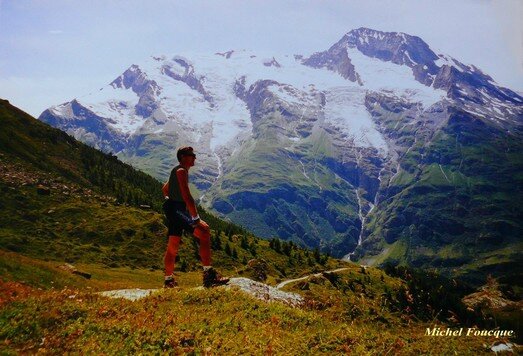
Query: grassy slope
89	229
287	198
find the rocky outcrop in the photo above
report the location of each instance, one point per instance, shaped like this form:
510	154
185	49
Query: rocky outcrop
189	78
129	294
396	47
72	269
265	292
227	54
269	112
145	88
14	175
337	60
472	85
272	63
258	269
490	296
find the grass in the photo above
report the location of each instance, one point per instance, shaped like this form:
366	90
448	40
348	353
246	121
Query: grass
394	252
352	311
206	321
48	275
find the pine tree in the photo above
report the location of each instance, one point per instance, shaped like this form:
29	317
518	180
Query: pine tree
323	259
244	244
276	245
287	248
228	249
253	249
216	243
317	255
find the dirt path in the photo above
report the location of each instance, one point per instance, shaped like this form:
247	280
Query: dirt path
284	283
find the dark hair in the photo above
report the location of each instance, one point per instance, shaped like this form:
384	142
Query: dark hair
184	151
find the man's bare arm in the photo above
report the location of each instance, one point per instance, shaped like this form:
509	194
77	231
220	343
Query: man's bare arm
165	189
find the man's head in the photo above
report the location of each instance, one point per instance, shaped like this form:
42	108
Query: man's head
185	154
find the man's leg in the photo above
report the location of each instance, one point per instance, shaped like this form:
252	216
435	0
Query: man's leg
210	276
204	235
170	254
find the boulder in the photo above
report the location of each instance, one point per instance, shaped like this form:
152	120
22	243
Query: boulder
258	269
72	269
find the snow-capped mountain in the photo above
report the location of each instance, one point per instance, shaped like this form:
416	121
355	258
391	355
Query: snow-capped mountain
309	148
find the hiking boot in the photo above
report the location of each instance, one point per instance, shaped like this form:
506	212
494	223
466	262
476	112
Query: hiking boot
212	278
170	283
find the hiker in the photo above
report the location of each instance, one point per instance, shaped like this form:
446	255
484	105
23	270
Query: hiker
181	213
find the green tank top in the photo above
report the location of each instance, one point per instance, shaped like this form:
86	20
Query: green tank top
175	193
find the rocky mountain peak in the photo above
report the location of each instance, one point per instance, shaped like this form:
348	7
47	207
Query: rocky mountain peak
460	81
127	79
397	47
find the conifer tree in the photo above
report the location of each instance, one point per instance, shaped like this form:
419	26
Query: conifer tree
276	245
244	244
317	255
253	249
216	243
286	248
227	249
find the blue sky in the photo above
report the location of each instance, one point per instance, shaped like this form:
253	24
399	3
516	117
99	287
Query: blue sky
52	51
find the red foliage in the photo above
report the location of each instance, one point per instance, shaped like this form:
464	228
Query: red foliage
11	291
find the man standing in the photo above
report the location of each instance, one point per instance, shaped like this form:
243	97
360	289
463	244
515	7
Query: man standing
181	213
